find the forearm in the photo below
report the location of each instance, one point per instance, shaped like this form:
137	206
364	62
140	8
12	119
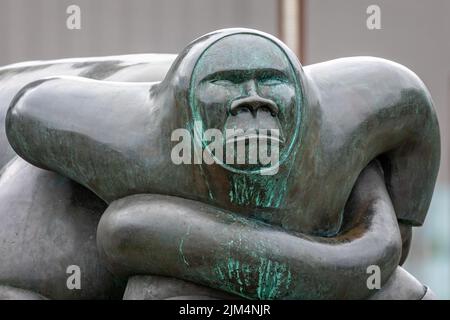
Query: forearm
175	237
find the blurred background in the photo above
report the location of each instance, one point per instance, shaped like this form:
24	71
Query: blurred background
414	33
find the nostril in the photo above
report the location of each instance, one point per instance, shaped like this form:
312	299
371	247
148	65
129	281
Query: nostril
241	108
245	108
267	108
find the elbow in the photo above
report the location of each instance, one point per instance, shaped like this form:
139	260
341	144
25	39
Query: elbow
113	240
128	237
24	119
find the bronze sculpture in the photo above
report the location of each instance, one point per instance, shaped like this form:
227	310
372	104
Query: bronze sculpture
359	155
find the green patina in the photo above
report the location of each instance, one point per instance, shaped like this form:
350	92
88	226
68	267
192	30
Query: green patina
180	247
260	191
272	278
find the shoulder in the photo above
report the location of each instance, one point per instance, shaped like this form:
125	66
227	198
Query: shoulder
372	70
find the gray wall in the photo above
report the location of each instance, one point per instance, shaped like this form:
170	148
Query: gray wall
36	29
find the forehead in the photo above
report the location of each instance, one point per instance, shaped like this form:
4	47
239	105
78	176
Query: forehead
242	52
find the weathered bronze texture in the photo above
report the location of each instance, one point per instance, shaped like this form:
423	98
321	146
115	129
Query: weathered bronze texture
359	156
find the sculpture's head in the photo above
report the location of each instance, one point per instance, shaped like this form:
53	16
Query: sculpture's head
250	93
248	86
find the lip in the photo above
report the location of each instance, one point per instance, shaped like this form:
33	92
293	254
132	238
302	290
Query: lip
252	138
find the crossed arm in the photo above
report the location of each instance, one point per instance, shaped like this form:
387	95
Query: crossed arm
162	235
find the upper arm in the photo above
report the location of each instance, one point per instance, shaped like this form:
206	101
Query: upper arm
75	126
375	108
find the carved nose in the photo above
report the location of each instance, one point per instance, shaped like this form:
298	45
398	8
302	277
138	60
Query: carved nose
253	104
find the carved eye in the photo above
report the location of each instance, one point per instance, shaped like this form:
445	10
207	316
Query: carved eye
223	82
272	81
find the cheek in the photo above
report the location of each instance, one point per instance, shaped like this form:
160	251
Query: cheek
284	97
212	102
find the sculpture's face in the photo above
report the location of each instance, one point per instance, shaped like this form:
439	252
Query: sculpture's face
246	82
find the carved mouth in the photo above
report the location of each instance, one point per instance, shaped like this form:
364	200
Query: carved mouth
254	139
